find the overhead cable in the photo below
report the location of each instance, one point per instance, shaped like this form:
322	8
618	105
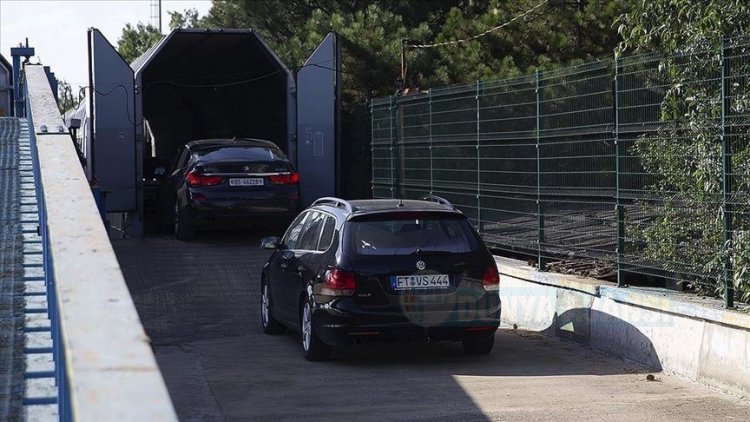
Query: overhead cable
465	40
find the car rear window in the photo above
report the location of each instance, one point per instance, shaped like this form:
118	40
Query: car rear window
405	235
237	159
243	153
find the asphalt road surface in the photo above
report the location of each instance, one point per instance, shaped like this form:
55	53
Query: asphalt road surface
199	302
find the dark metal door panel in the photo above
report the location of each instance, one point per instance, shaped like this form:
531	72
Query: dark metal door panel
318	103
289	278
112	157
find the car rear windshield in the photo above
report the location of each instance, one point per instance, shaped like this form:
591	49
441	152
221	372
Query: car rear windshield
239	153
408	233
238	159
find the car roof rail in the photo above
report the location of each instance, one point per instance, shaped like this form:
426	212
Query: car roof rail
335	202
439	200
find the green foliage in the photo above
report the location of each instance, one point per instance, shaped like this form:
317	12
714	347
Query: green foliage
189	18
134	41
557	33
686	152
669	26
65	98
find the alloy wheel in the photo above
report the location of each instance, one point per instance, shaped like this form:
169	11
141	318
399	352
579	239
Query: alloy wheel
306	327
264	305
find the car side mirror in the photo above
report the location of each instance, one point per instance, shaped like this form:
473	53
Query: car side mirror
270	242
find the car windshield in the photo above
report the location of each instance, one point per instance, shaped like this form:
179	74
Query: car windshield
239	153
404	236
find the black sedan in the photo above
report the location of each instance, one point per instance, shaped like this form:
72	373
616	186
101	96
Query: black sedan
348	272
229	182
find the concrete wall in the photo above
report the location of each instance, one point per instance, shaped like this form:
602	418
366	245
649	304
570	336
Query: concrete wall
658	328
108	362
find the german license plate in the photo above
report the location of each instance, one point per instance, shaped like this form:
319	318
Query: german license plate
246	181
420	282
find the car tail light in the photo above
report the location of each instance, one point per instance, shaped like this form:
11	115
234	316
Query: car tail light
196	179
285	179
339	283
491	279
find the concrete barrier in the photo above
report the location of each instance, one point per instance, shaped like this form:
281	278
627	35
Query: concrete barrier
109	370
662	329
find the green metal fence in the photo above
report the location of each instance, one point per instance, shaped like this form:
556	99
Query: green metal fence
640	165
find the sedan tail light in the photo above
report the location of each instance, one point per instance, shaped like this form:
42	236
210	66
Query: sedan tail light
285	179
339	283
491	279
196	179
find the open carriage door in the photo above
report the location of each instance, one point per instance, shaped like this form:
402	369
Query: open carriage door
318	109
111	152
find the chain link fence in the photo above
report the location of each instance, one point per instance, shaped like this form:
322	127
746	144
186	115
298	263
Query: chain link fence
634	166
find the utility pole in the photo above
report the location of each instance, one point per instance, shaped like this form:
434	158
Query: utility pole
156	14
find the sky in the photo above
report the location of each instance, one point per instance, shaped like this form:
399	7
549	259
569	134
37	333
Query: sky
57	28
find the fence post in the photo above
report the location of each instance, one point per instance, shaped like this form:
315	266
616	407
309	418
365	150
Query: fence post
726	169
539	207
619	210
479	169
394	131
372	149
429	102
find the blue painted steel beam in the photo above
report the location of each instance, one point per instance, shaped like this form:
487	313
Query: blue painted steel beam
36	401
39	374
19	107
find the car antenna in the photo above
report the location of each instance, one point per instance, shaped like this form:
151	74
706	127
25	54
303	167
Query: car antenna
400	202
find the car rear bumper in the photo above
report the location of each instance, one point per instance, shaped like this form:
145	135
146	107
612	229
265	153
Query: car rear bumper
240	212
339	327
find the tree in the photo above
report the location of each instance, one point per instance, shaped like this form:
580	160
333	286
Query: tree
189	18
670	26
134	41
65	99
685	155
556	34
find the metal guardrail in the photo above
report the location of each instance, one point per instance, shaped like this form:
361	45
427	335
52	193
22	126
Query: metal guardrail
104	367
639	164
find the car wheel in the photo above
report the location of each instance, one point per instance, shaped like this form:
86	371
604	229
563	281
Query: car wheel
269	323
182	229
480	346
313	348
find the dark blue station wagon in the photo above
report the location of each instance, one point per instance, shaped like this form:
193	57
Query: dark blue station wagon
381	270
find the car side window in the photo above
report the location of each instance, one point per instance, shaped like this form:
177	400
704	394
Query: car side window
291	237
327	236
181	159
310	235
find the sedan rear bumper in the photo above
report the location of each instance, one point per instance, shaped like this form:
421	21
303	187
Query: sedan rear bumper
248	212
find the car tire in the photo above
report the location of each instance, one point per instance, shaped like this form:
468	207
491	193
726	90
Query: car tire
313	347
270	325
480	346
182	229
